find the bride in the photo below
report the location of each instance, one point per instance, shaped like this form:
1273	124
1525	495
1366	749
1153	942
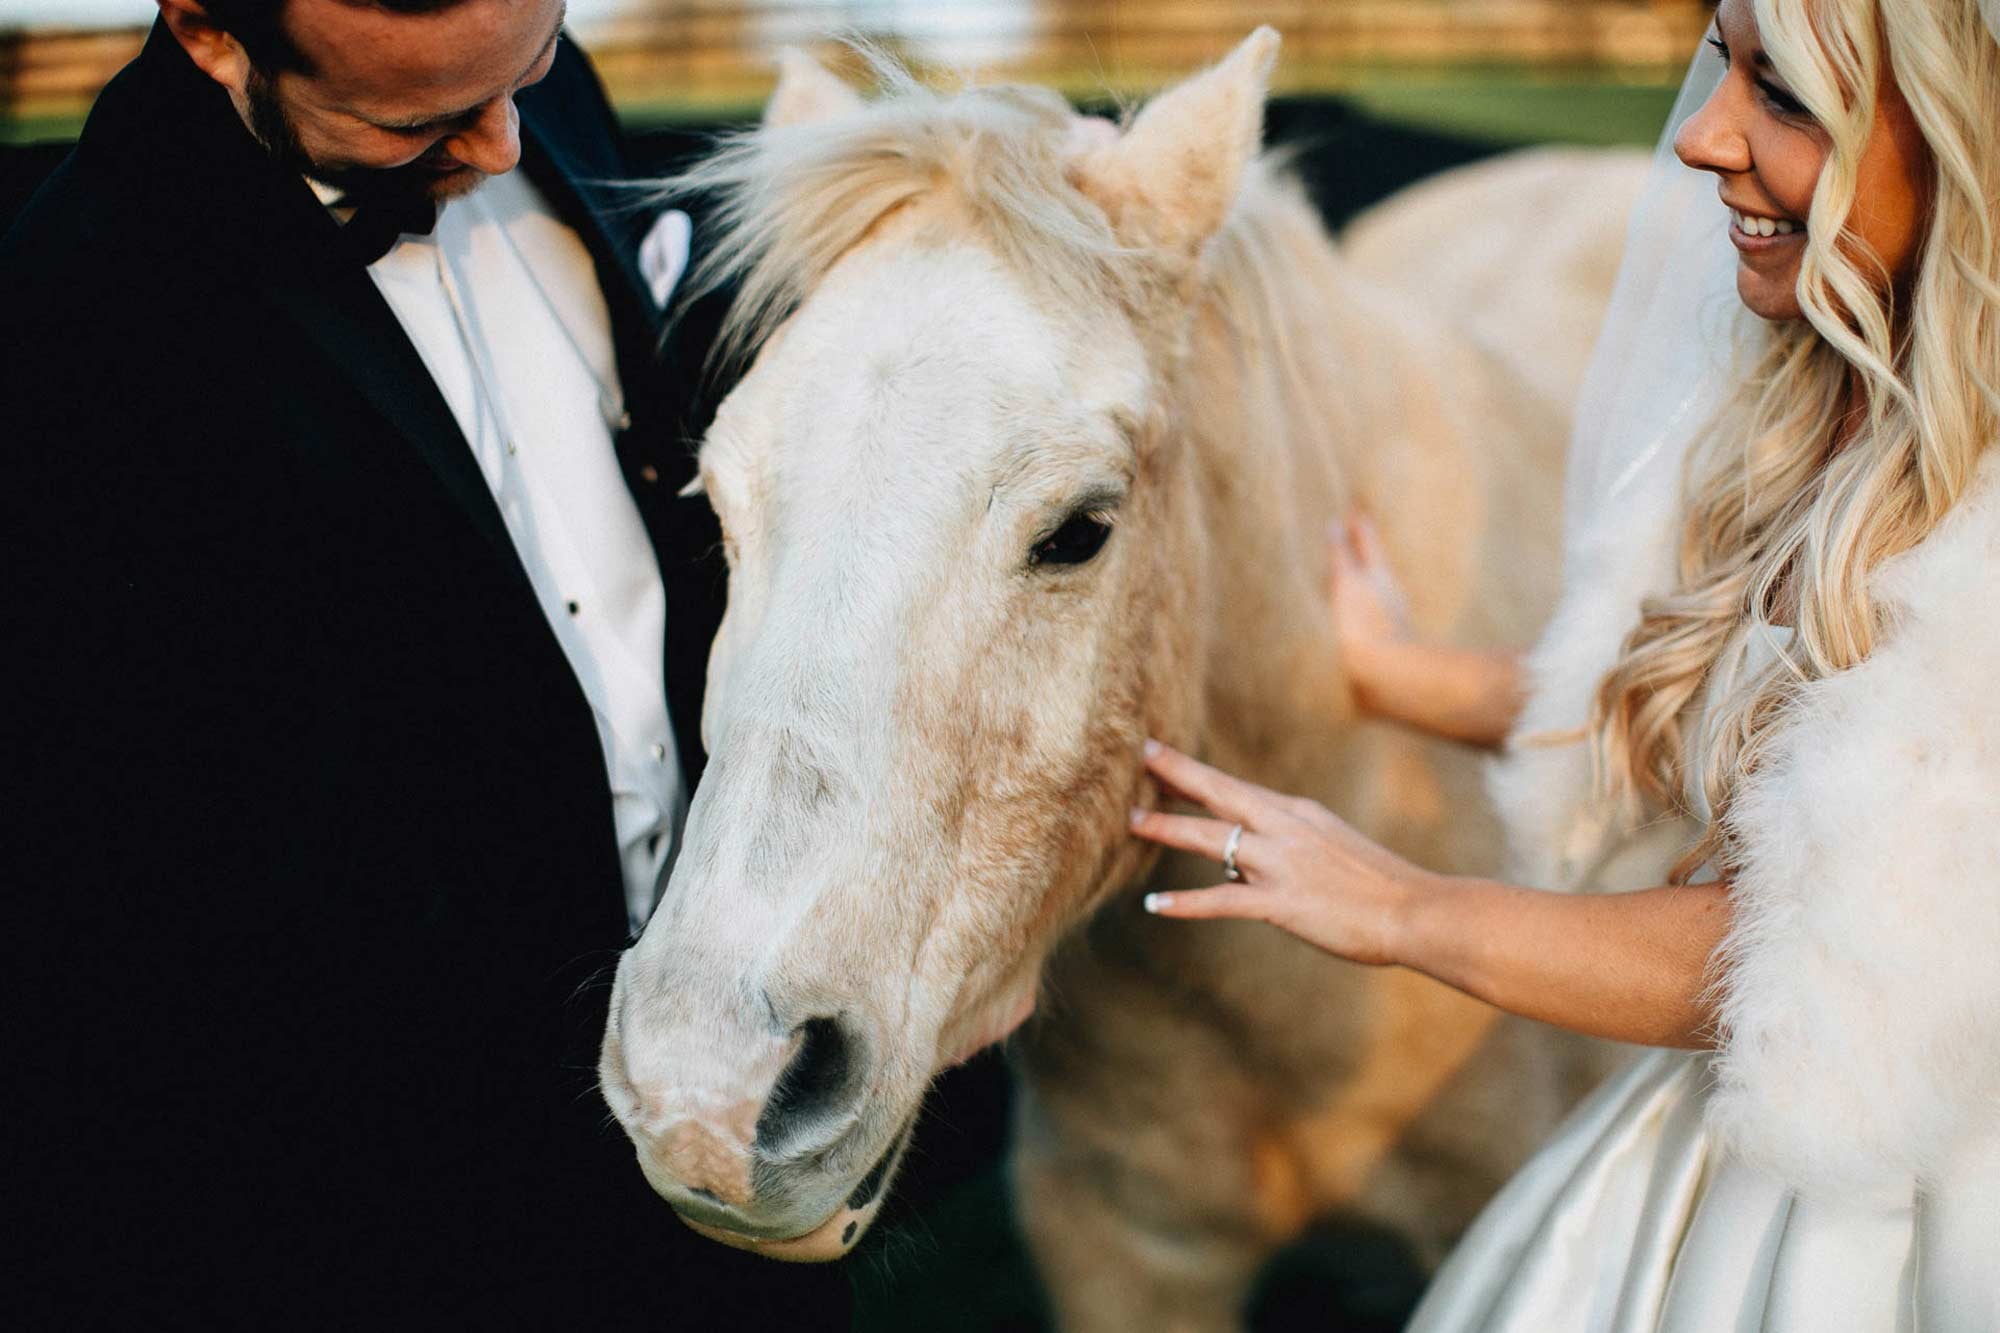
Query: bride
1768	706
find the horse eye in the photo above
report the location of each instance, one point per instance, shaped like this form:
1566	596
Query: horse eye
1079	538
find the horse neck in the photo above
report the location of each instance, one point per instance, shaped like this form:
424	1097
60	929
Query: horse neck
1281	389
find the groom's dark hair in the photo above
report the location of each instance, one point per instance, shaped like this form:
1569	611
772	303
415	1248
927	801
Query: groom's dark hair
260	26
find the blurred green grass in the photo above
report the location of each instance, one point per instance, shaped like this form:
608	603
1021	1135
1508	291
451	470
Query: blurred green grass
1518	108
1502	106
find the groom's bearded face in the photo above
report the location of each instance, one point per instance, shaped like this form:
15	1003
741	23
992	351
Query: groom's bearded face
275	129
390	106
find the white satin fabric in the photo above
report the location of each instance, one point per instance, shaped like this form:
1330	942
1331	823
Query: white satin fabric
1632	1220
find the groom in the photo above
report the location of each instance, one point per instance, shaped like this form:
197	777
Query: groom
363	637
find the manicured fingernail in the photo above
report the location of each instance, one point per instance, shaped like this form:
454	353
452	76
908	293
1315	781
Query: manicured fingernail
1158	902
1153	747
1135	816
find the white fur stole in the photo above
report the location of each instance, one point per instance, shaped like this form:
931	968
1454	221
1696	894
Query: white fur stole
1860	981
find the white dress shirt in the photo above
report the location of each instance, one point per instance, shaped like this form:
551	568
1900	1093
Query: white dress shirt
503	305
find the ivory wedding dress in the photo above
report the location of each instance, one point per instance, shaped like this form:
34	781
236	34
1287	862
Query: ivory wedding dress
1631	1220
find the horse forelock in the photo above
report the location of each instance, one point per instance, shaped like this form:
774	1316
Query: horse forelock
790	200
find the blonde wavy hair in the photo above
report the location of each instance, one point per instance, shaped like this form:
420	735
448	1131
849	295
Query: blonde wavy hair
1789	506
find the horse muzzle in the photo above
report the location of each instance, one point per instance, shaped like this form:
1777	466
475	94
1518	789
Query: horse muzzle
832	1238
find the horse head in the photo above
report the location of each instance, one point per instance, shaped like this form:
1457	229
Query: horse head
958	602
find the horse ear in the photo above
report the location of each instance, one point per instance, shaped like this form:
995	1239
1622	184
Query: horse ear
1169	181
807	91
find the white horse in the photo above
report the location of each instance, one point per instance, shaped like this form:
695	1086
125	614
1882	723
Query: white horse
1035	458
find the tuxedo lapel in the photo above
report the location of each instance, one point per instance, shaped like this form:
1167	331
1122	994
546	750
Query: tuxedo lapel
345	317
588	205
589	196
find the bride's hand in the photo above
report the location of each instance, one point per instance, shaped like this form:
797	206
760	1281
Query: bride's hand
1303	869
1371	619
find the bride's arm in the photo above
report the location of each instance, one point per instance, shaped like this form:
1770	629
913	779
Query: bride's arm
1463	694
1632	967
1628	966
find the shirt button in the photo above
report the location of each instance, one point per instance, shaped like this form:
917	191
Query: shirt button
659	754
511	450
648	473
624	421
573	608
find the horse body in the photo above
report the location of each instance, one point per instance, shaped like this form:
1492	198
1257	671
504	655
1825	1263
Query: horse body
1201	1094
1035	460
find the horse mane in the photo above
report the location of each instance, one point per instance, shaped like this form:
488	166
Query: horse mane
1277	283
790	200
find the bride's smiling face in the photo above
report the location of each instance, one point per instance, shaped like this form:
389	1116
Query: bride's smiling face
1767	150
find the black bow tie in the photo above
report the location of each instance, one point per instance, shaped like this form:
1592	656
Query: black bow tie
375	228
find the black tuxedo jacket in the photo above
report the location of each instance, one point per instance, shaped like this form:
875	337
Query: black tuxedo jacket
316	891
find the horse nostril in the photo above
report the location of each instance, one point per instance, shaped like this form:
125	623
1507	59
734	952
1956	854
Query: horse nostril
813	1087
